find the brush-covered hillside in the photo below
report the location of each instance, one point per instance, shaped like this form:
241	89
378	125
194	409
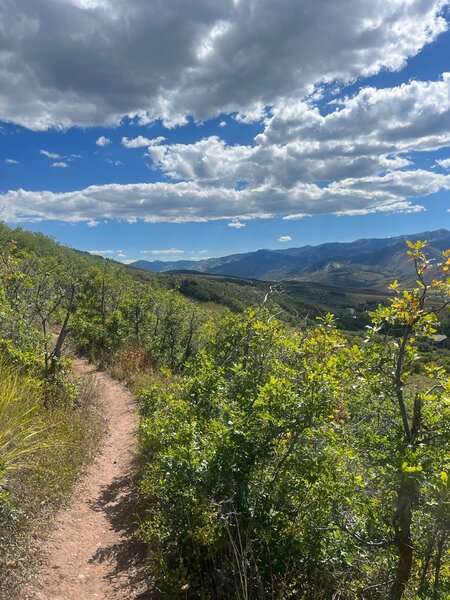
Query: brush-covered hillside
279	456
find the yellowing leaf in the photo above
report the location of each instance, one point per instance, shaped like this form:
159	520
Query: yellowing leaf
410	468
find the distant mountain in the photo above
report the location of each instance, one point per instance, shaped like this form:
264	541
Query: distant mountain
202	266
363	264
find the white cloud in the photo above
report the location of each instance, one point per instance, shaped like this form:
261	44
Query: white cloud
254	113
350	161
116	163
236	225
200	58
104	252
163	252
189	201
103	141
59	165
444	163
11	161
52	155
141	142
365	135
356	157
222	124
412	116
285	238
209	160
295	217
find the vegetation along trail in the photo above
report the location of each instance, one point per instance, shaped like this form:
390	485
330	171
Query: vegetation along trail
90	552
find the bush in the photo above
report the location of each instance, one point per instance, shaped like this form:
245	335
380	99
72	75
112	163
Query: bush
237	464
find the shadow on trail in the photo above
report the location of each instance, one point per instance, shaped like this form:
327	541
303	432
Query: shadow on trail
117	502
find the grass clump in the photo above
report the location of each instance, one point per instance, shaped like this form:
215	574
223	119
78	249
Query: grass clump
22	430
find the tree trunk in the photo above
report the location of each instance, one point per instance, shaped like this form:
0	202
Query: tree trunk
57	350
437	568
407	496
426	565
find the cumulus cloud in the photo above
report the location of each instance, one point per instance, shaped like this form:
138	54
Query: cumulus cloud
209	160
221	59
412	116
365	138
356	159
103	141
141	142
151	60
11	161
60	165
189	201
285	238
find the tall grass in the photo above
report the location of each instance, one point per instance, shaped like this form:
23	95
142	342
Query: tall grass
21	428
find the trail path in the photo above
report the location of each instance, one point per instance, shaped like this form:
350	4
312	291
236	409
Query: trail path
90	552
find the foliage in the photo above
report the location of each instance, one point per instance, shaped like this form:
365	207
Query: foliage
234	456
276	462
297	465
46	431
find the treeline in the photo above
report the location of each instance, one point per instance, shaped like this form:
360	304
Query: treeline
50	293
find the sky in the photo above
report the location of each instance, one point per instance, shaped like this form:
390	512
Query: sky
170	130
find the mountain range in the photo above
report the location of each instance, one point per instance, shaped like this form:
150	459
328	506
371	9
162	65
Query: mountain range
363	264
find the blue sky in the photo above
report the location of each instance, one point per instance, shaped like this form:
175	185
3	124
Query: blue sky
224	127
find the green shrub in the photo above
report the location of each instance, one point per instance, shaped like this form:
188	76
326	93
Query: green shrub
237	465
294	465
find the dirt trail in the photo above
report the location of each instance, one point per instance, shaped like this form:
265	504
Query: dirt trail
90	552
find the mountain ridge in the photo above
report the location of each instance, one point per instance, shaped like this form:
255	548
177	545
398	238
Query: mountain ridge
364	263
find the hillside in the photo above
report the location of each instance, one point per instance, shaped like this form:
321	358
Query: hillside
292	300
262	429
368	264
